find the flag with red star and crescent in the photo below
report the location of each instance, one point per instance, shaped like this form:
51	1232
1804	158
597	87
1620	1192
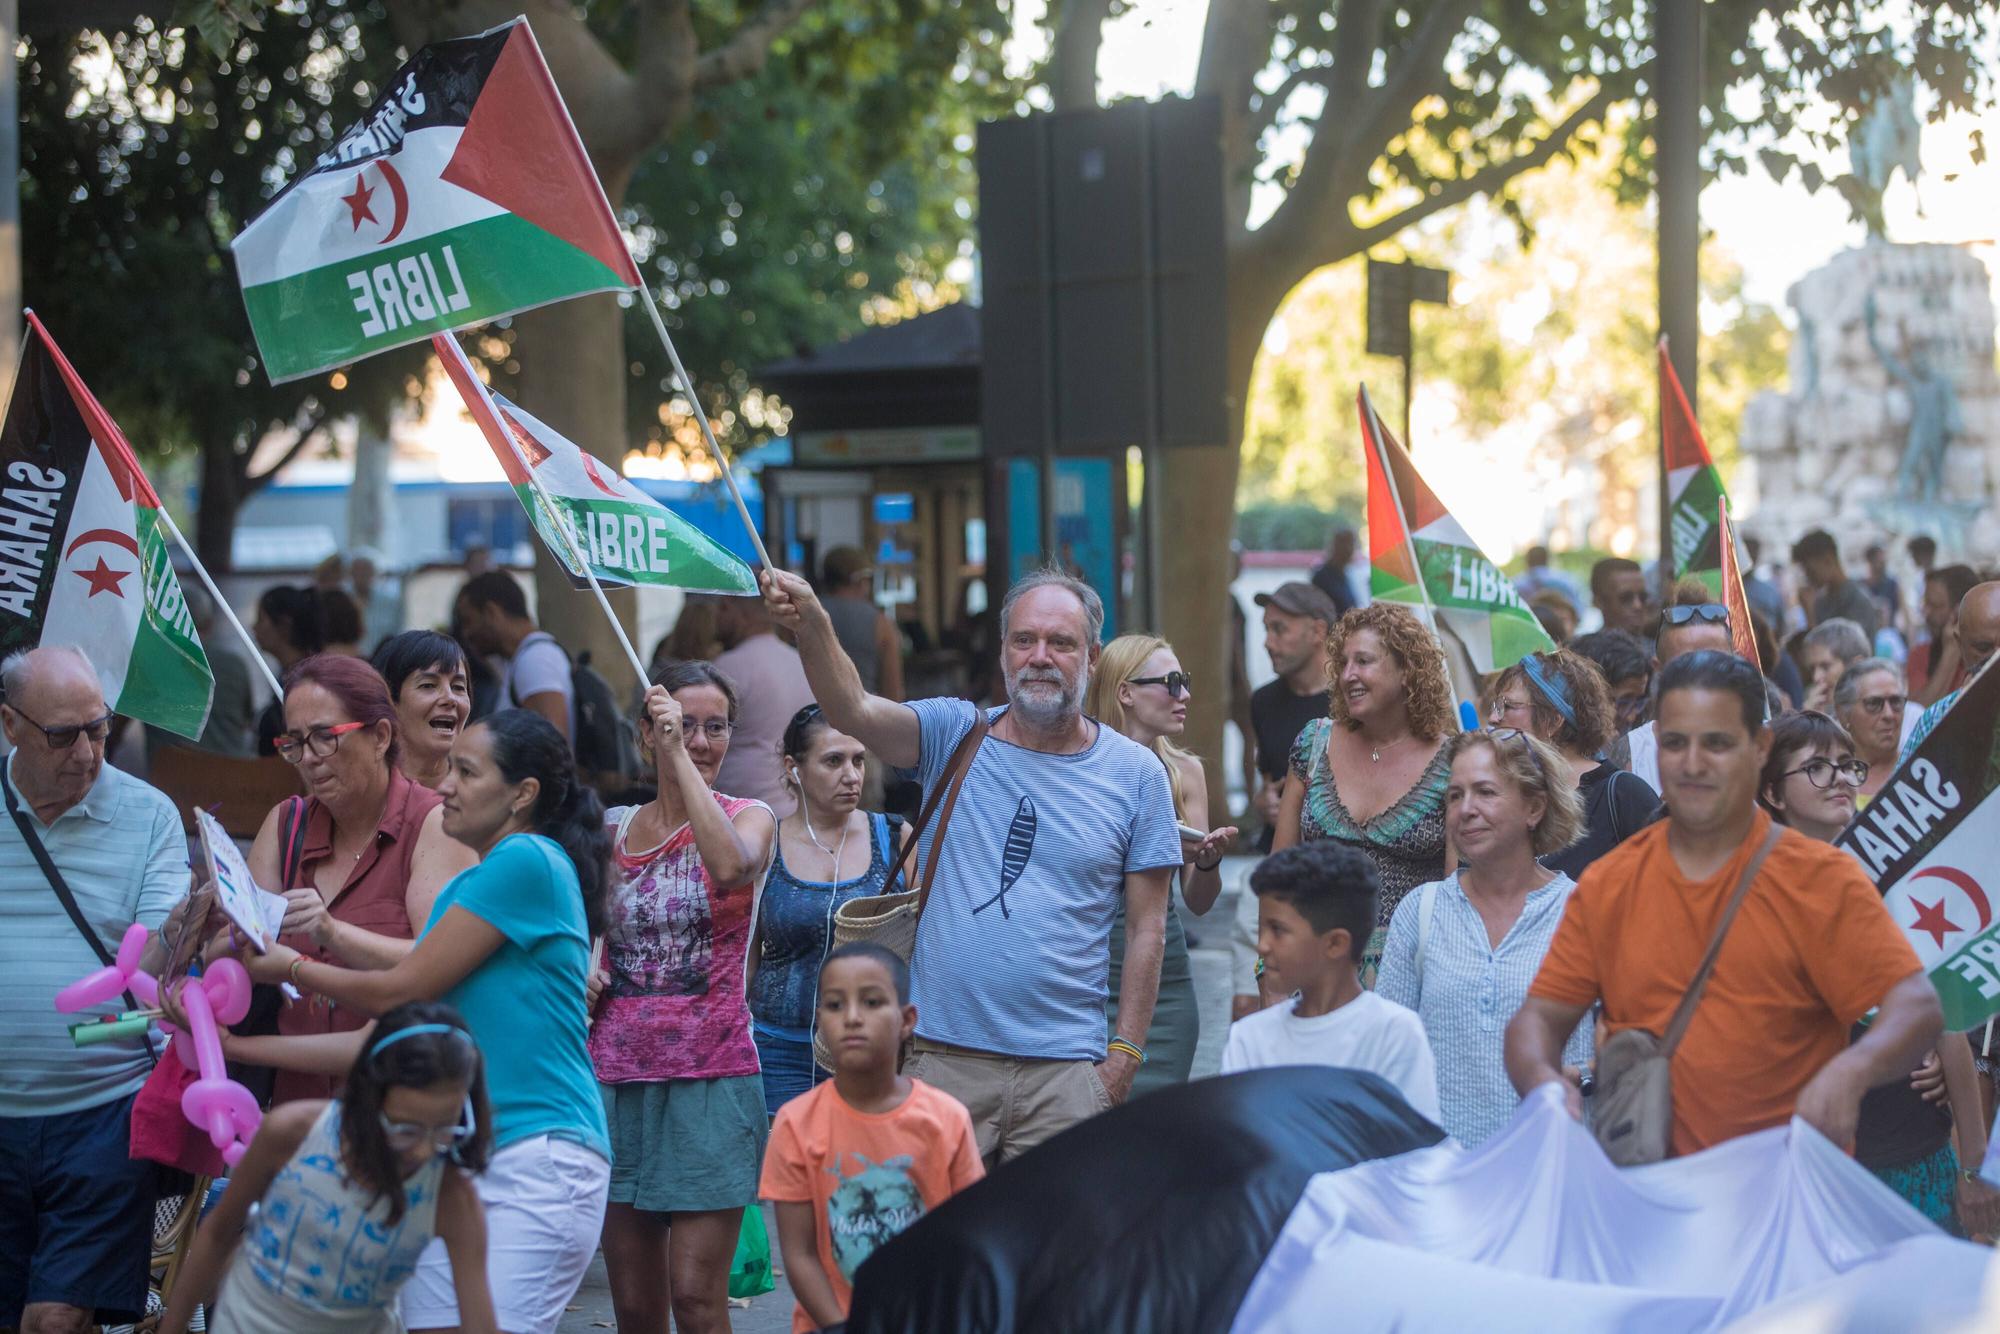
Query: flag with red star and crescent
1928	838
586	511
463	195
83	557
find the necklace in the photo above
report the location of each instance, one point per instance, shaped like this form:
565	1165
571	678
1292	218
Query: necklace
1375	752
838	850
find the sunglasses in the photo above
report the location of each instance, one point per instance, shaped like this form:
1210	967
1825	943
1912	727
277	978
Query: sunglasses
1713	613
1877	703
321	741
1177	683
62	738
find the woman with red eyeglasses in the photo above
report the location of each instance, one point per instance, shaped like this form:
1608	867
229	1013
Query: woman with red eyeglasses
360	857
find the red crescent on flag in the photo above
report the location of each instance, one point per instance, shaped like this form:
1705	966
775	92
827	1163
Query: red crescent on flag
1951	875
110	535
597	478
397	195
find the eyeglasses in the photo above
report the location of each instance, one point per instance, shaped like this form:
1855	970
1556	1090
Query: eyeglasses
715	729
1820	771
1503	706
1713	613
1877	703
405	1135
321	741
62	738
1177	683
1516	734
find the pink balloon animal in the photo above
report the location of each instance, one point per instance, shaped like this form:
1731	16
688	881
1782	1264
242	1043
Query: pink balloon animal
214	1103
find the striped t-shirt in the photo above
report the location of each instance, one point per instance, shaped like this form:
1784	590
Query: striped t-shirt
123	855
1014	950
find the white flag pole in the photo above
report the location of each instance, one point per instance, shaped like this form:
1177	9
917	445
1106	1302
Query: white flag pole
222	604
707	434
555	514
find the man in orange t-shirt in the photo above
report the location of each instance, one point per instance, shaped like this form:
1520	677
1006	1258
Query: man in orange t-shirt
1811	951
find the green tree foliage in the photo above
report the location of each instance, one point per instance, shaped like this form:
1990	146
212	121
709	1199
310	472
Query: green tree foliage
1557	336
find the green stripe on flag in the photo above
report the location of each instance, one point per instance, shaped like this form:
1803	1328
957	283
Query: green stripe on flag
1696	528
632	543
167	678
326	317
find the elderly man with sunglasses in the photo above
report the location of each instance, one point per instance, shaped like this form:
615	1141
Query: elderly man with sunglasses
76	1213
1689	625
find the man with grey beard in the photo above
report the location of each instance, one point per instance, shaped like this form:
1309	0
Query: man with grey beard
1059	816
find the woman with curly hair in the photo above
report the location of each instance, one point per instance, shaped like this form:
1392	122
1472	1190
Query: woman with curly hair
1560	697
1373	774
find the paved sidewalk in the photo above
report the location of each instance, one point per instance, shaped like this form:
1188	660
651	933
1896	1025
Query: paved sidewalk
772	1313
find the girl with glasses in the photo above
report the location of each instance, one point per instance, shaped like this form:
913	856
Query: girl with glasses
1906	1132
350	1192
830	851
676	1063
1140	689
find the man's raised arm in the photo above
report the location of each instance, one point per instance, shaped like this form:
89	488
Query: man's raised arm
884	726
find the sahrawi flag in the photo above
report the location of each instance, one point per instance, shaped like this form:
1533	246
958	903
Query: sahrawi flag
1693	485
464	195
1418	555
83	558
585	511
1928	839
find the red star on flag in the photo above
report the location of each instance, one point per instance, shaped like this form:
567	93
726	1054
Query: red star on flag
1930	917
357	203
103	579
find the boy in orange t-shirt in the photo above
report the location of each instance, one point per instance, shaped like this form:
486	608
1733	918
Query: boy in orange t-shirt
857	1160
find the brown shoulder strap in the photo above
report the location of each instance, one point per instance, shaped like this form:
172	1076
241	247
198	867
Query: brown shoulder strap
944	794
1684	1013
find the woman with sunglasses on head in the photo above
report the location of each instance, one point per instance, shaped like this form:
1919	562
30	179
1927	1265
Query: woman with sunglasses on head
361	856
1872	703
829	852
1560	698
676	1063
507	942
1904	1137
349	1192
1140	689
1463	950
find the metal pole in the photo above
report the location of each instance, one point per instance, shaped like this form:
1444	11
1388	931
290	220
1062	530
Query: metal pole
1051	327
1153	544
1677	132
1409	388
10	197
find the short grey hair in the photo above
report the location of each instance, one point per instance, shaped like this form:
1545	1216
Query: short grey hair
1848	693
15	670
1054	576
1841	637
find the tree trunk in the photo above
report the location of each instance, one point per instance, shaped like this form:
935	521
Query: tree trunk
371	498
573	376
215	515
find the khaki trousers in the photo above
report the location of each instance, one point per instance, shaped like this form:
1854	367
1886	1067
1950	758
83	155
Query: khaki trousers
1016	1102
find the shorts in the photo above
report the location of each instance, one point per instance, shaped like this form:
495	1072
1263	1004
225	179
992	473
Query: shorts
544	1201
76	1213
686	1145
789	1068
1016	1102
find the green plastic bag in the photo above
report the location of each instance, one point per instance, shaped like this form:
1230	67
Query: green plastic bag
750	1272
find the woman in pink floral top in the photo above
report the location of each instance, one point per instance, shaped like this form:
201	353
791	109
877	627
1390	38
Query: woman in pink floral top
671	1042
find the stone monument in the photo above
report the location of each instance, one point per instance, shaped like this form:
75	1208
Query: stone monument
1891	425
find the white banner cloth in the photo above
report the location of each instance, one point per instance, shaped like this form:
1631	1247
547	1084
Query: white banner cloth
1536	1230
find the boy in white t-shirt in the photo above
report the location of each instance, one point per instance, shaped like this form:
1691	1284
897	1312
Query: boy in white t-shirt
1315	912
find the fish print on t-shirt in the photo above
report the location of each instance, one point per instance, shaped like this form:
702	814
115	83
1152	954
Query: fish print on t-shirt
868	1207
1014	854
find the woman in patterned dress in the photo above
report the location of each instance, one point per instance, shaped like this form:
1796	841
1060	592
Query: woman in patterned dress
1373	774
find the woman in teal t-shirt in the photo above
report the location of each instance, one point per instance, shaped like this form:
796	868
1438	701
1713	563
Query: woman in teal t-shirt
508	943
